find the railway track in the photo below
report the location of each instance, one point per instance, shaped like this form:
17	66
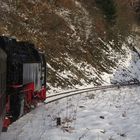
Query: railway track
59	96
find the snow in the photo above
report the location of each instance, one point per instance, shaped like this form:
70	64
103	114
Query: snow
86	18
102	115
129	69
126	70
75	21
111	114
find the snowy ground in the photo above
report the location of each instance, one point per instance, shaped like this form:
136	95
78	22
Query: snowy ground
102	115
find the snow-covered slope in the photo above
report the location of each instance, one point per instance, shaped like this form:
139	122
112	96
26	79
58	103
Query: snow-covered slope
127	69
77	36
103	115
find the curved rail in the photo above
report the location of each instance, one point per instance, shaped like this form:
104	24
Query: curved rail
59	96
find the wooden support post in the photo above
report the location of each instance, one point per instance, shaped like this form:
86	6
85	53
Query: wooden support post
58	121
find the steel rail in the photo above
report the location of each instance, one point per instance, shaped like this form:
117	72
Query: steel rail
80	91
66	92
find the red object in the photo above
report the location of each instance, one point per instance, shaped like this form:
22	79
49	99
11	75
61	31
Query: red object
29	90
31	99
6	123
42	94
